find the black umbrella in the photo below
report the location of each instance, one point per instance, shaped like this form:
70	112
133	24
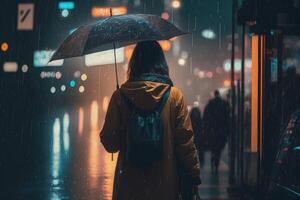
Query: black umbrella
115	32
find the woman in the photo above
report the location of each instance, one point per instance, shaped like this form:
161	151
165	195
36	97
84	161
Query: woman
148	80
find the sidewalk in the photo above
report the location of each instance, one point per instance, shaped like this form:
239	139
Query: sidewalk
214	187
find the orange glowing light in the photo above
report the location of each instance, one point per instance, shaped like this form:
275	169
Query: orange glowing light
227	83
105	103
165	45
94	158
4	46
105	11
173	39
94	115
80	120
255	102
129	51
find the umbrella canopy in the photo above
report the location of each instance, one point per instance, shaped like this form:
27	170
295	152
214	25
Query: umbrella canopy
114	32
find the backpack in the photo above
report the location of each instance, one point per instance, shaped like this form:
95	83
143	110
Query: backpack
144	135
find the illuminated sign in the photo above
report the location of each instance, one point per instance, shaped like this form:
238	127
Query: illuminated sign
104	57
66	5
25	16
44	74
41	59
105	11
10	67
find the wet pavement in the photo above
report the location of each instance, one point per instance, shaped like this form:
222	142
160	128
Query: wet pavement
65	160
214	186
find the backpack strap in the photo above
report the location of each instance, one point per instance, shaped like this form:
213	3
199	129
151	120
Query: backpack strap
164	100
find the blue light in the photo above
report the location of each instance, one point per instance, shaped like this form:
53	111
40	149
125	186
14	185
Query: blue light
66	5
297	148
72	83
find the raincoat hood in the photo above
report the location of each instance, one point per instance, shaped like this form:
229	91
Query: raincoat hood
146	91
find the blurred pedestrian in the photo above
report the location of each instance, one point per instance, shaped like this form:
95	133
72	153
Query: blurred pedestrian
216	119
144	95
196	119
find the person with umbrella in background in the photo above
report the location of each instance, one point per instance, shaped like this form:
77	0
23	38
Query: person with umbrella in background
147	120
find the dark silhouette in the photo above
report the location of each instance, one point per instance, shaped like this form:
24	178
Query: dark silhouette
284	135
216	126
196	119
148	82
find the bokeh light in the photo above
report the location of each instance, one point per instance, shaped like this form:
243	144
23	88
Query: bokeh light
65	13
226	83
52	90
208	34
181	61
24	68
84	77
165	15
58	75
201	74
63	88
209	74
72	83
81	89
4	46
77	74
176	4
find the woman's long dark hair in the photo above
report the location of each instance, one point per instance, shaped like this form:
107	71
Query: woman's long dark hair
147	57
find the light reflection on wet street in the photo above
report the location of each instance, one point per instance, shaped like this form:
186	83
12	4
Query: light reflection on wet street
67	160
76	164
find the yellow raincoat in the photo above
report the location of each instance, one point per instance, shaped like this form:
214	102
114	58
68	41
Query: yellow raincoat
159	182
